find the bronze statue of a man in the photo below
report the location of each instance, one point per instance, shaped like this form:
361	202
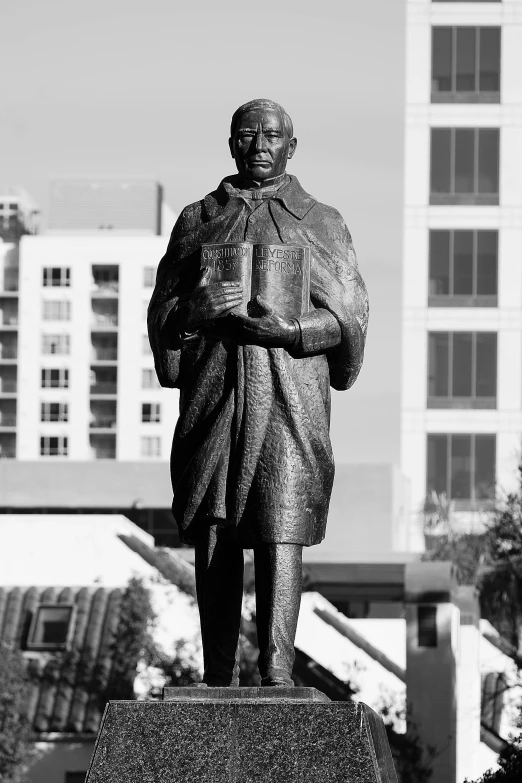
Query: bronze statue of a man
252	464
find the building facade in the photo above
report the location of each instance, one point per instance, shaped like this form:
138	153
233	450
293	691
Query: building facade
77	379
462	283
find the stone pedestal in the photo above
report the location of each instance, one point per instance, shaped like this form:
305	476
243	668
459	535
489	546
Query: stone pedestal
241	735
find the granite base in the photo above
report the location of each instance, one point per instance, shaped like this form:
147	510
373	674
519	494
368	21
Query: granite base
241	735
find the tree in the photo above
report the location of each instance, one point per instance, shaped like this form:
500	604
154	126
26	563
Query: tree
14	727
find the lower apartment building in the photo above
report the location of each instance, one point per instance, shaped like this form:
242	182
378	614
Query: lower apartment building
77	379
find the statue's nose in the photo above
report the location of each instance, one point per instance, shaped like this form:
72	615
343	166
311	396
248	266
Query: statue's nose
260	141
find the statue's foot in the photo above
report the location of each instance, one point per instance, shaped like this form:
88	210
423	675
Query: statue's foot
277	681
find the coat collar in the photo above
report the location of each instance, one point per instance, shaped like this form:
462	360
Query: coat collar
291	195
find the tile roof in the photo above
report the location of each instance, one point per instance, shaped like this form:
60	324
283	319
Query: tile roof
61	698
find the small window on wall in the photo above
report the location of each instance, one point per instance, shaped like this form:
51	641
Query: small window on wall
56	276
56	310
462	369
427	626
464	166
54	411
151	412
149	379
149	276
463	268
463	467
58	344
51	627
54	446
146	349
55	379
75	777
465	65
150	447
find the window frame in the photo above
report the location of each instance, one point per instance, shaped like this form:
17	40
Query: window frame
64	277
462	300
62	309
47	416
62	448
148	453
62	340
63	378
154	416
452	400
475	197
463	504
50	646
465	96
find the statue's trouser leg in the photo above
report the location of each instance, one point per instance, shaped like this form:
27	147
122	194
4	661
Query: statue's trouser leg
279	572
219	587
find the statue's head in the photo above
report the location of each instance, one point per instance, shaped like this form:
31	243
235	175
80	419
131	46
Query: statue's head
261	139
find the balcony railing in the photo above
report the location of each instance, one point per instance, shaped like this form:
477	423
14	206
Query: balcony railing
103	422
105	287
8	420
104	453
105	355
105	319
7	387
8	352
9	318
10	280
7	453
104	387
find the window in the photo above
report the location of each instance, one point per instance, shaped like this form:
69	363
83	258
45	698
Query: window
146	349
53	446
463	268
149	379
464	166
427	626
55	379
56	310
462	466
465	65
150	447
149	276
50	627
59	344
54	411
75	777
462	369
151	412
56	276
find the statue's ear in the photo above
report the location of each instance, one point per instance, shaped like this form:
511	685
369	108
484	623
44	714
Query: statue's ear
292	147
231	146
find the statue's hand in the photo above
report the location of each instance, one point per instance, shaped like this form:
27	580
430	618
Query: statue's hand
211	300
270	329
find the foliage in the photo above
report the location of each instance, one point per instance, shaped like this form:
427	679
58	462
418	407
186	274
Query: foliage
509	761
133	642
412	761
14	727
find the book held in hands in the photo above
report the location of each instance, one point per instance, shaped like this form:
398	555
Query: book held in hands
278	273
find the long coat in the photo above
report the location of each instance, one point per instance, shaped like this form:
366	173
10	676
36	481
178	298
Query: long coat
251	447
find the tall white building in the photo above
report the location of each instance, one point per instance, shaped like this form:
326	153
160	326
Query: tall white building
462	287
77	379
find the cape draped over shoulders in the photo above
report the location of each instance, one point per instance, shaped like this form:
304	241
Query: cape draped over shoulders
252	436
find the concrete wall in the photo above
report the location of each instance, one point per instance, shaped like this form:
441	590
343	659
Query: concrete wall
52	760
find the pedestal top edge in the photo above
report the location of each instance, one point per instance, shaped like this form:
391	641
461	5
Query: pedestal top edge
244	694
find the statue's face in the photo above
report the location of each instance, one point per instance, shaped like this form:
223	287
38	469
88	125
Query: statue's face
260	145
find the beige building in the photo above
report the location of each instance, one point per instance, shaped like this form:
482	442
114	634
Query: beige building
462	281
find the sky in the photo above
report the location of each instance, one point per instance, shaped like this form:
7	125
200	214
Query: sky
133	88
